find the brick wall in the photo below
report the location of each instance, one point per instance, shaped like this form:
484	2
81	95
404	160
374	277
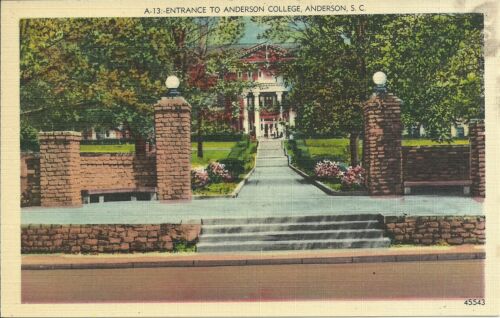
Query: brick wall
382	142
60	168
173	148
436	163
30	179
106	238
115	171
477	158
426	230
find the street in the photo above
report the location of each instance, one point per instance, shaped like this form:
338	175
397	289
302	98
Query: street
402	280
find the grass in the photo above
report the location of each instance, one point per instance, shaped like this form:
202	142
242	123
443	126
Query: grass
333	186
216	189
215	144
428	142
208	156
336	148
124	148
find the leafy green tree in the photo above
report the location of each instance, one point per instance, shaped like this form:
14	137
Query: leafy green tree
83	73
435	64
100	73
330	98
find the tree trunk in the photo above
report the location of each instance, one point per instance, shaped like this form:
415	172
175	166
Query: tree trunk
199	137
353	148
140	145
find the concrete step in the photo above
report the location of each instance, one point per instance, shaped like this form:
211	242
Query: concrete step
290	226
292	219
292	236
292	245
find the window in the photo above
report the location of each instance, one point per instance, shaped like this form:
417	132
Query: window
260	74
460	132
239	74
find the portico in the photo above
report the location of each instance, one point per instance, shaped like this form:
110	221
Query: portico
265	107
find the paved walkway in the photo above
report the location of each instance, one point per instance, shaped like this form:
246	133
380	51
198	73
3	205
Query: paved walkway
273	190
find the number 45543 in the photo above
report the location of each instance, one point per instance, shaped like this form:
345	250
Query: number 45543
473	301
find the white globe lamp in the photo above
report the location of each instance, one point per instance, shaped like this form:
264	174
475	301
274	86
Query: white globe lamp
380	79
172	82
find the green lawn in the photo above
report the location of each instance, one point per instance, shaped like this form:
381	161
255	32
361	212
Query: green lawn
428	142
336	148
208	156
216	189
126	148
215	144
212	151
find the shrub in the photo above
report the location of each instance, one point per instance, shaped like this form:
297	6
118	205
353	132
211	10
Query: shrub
353	178
235	167
199	178
29	138
327	169
223	136
107	142
217	173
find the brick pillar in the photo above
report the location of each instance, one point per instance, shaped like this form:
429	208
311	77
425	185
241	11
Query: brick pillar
477	158
173	148
382	141
60	168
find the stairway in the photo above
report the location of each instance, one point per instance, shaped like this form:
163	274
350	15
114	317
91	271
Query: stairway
270	154
292	233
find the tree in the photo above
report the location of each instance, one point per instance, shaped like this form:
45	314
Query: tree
330	98
82	73
205	60
105	72
435	64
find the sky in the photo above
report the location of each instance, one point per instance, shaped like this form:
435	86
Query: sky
252	30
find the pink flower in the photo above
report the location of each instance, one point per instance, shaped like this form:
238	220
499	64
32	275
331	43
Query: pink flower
353	176
328	169
199	178
217	173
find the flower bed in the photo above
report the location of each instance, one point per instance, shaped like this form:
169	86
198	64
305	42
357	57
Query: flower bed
339	177
330	171
220	178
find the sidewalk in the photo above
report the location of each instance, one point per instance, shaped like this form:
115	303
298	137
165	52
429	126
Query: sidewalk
148	260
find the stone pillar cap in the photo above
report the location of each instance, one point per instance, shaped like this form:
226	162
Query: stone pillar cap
171	103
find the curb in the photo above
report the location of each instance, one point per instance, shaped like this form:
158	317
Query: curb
266	261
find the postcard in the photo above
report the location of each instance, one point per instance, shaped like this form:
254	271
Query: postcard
296	158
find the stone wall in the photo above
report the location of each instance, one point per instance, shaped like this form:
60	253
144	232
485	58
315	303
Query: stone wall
173	148
60	168
30	179
116	171
382	142
436	163
109	238
427	230
477	158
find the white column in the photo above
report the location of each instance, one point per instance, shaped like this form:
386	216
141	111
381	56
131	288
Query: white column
292	115
246	127
258	131
280	96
